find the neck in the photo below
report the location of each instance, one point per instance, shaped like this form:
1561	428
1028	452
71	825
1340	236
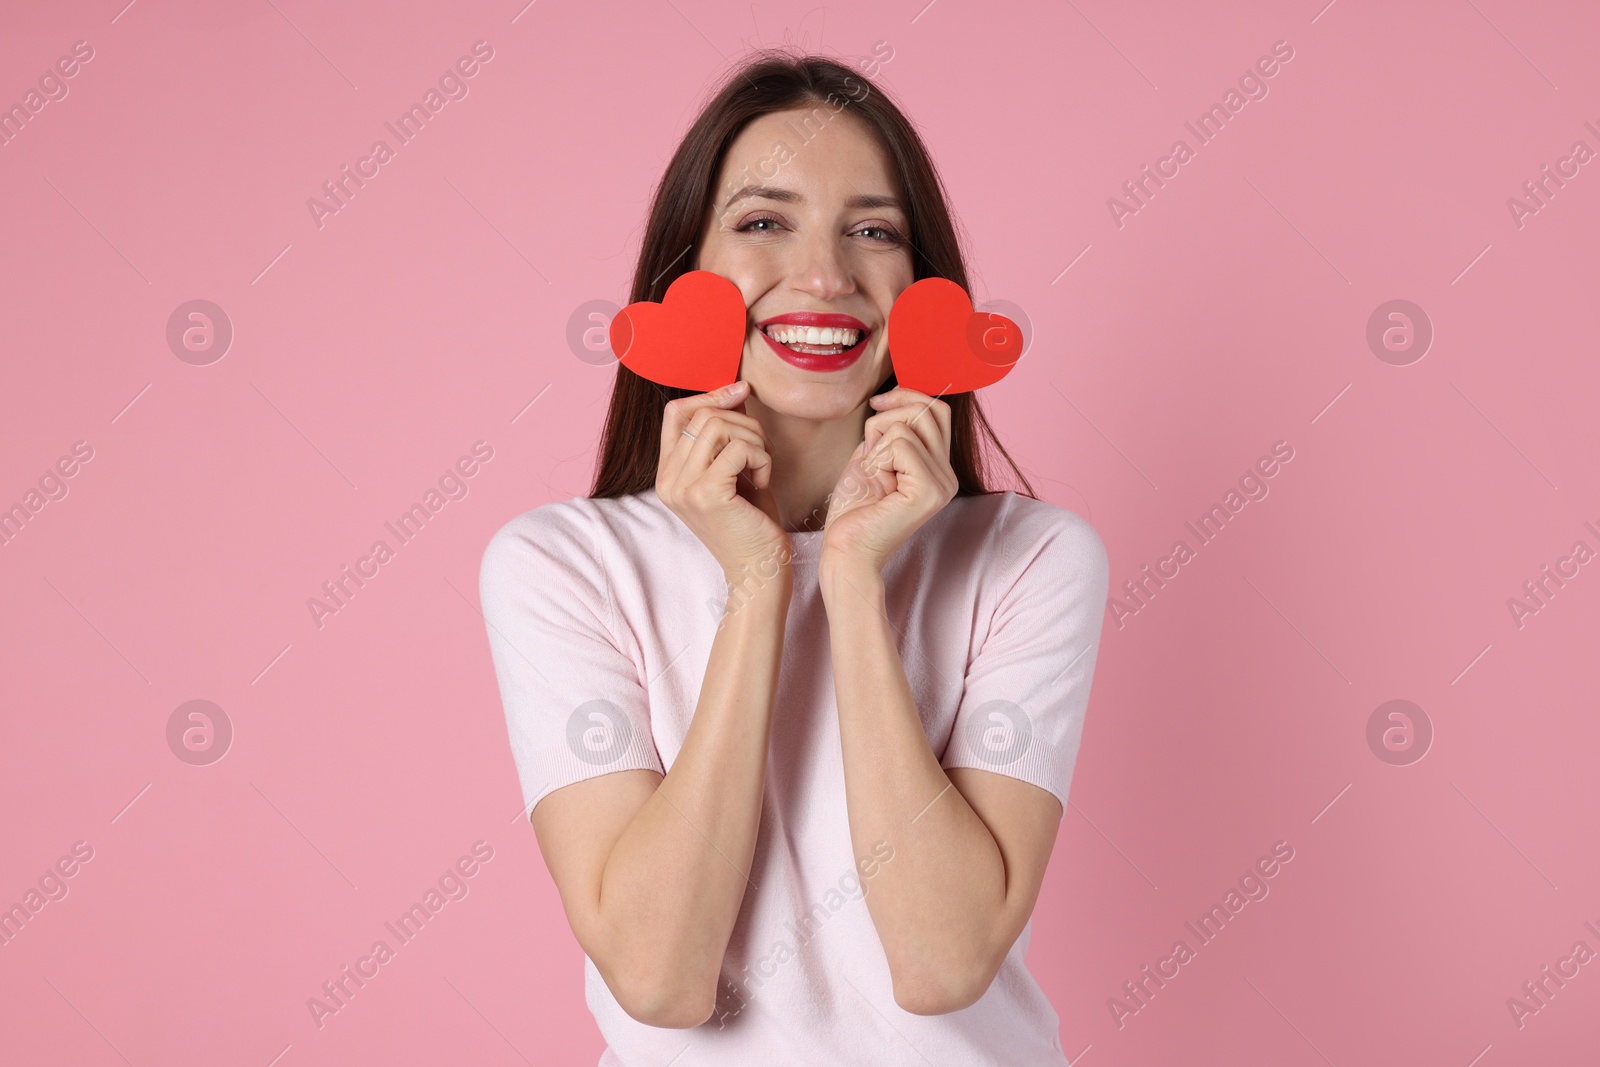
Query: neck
808	456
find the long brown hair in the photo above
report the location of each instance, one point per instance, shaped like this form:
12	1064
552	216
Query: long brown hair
775	80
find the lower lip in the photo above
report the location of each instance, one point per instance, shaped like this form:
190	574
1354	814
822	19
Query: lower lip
807	361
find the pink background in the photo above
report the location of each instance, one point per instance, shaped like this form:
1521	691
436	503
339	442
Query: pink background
1227	314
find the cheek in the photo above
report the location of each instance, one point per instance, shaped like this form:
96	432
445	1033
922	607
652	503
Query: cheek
757	259
873	367
883	349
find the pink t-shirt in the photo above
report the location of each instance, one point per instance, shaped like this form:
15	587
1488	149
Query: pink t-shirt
601	615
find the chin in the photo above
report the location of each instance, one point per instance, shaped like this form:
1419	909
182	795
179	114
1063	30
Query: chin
788	390
814	401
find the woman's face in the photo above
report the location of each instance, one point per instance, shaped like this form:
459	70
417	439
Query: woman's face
813	234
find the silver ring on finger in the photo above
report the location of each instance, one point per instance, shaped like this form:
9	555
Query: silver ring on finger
689	435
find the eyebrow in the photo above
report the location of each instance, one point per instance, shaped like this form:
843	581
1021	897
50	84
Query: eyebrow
789	196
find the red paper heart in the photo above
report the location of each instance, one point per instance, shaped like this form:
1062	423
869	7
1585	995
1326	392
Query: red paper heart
692	340
939	345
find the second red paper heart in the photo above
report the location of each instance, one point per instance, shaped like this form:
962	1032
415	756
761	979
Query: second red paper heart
939	345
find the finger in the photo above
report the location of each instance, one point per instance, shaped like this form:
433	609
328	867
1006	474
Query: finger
898	396
906	421
677	414
739	423
691	462
916	472
704	416
877	425
929	419
700	423
901	451
887	438
737	457
692	425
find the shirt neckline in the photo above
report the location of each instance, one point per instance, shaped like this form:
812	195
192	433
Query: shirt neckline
805	546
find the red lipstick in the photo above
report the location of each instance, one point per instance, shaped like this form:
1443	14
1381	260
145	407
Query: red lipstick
816	361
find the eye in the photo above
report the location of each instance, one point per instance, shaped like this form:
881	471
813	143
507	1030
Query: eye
888	236
748	226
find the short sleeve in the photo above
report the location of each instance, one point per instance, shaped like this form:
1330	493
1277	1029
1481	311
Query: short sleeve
574	704
1027	688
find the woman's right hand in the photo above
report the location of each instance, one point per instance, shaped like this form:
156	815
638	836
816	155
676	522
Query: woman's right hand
704	480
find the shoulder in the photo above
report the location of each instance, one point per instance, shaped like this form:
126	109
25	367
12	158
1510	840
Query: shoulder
576	532
1022	533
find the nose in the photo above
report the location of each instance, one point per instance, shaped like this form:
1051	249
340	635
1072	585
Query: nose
821	268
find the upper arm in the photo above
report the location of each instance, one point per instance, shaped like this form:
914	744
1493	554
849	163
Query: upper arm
1023	820
576	707
1025	691
577	826
1025	694
576	710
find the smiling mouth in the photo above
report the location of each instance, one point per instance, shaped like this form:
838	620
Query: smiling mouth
815	340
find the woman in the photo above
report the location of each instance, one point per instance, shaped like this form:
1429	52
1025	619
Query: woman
794	697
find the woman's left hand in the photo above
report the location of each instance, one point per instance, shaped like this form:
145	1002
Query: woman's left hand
896	479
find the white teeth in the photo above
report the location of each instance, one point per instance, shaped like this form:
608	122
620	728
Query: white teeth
813	335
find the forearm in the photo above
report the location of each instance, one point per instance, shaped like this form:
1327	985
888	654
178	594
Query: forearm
675	879
935	907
